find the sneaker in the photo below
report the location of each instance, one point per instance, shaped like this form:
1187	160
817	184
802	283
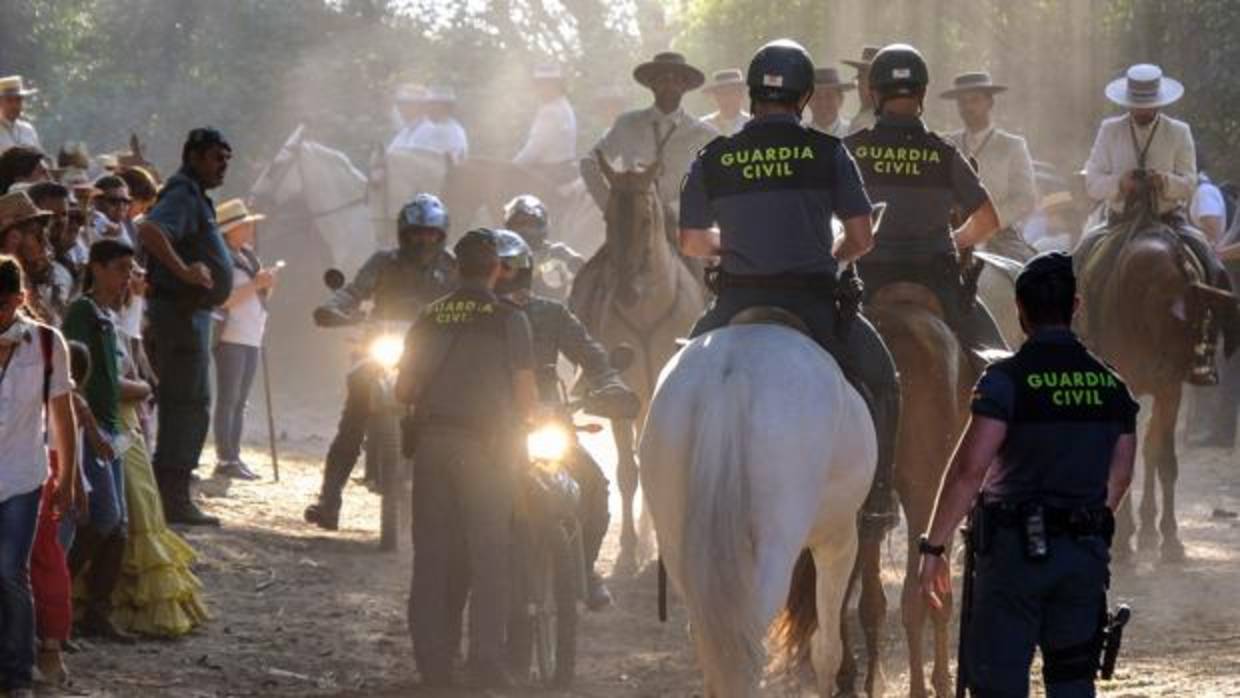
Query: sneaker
323	515
235	470
598	596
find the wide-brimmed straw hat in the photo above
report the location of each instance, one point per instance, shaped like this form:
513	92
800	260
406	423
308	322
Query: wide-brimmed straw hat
730	77
550	72
829	79
439	94
1144	86
976	81
16	208
410	92
668	61
867	57
233	213
13	86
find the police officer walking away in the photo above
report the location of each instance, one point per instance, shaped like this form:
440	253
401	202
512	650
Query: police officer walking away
925	182
1058	426
468	375
400	283
774	237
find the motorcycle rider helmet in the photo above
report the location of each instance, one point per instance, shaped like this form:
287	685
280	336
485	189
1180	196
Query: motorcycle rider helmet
898	70
527	215
516	255
425	212
781	71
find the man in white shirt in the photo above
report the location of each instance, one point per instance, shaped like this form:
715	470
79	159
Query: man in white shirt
13	129
410	113
1208	210
551	147
826	101
440	132
1001	158
663	133
864	117
727	88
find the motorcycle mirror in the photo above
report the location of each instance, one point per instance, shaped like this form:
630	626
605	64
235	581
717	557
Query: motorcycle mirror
622	357
334	279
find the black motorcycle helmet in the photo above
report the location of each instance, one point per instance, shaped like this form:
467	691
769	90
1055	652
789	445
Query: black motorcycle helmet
426	213
516	255
780	71
527	215
898	70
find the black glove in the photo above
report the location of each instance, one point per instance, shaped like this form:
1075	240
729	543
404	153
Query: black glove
325	316
613	402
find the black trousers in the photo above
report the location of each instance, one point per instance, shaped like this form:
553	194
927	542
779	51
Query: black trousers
346	446
182	339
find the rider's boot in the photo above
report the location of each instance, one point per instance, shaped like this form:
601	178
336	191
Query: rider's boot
1204	370
881	510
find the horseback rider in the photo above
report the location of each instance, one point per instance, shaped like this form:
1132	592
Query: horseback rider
735	184
555	263
662	133
924	181
1144	152
550	149
557	331
1000	158
399	282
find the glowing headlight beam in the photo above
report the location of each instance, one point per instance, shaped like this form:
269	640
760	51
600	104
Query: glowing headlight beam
386	350
549	442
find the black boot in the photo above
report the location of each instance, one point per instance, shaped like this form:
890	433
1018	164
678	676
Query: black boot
101	579
179	506
881	510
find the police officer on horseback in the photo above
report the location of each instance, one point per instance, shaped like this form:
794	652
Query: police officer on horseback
555	263
557	331
1058	425
399	282
925	182
772	189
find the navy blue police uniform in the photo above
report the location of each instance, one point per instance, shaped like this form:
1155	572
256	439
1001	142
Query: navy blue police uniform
1065	410
772	189
924	180
461	358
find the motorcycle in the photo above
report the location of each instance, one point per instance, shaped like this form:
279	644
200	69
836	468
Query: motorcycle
379	349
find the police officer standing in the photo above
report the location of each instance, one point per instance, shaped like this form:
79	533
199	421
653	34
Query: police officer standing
557	331
399	282
774	237
555	263
925	182
1058	426
469	378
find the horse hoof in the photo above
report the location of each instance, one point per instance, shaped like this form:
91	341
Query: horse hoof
1147	541
626	564
1173	552
944	687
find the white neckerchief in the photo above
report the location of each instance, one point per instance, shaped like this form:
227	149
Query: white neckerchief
975	142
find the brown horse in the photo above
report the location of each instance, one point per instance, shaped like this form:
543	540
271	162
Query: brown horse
635	291
936	377
1141	294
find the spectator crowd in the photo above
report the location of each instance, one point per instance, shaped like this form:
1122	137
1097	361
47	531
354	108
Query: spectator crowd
116	288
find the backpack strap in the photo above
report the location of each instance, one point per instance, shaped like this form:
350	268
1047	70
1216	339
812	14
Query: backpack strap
46	339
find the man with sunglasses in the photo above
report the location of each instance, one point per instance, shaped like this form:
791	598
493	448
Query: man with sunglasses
110	218
399	282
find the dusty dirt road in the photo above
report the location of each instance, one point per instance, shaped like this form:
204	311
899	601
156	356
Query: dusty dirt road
298	612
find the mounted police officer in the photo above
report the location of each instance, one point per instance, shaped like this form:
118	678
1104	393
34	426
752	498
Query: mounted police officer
772	189
555	264
399	283
557	331
472	387
925	182
1058	426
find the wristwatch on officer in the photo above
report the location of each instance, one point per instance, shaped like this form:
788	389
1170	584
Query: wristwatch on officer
926	548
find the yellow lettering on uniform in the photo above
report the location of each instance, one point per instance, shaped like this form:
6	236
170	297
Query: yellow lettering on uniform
1059	398
1091	379
727	159
747	171
1078	380
771	154
1034	381
807	153
934	156
862	152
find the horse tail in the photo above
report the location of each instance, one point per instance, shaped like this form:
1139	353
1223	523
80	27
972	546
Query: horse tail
795	625
719	556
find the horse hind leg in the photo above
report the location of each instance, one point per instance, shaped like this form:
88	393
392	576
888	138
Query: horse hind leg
833	564
1166	409
1147	535
873	609
846	677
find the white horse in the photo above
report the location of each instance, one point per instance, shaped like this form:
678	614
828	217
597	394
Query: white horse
324	187
756	456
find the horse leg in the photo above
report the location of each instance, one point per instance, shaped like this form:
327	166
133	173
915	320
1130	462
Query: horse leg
846	677
913	608
1147	536
873	607
833	564
627	478
1125	528
1166	410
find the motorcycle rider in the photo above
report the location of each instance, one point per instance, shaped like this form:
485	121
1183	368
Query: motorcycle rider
555	263
399	282
557	331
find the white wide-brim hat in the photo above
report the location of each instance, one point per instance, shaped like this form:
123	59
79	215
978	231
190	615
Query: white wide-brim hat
1144	87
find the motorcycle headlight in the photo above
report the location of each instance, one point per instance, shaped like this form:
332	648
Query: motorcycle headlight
386	350
549	442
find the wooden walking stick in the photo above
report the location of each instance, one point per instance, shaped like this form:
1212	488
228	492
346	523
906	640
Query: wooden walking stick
271	419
